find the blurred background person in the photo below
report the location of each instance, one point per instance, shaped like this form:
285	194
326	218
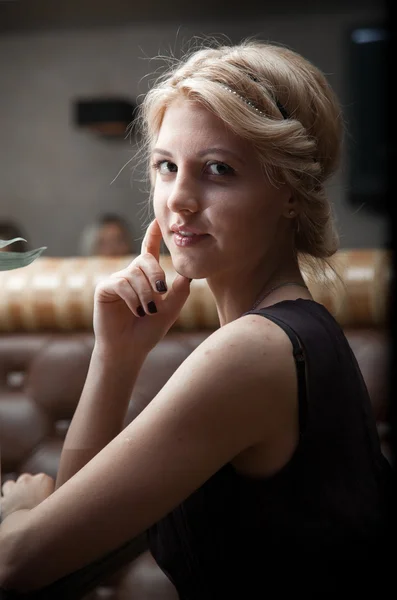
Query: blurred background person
10	230
109	235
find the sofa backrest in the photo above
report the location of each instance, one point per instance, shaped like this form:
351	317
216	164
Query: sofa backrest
46	343
56	294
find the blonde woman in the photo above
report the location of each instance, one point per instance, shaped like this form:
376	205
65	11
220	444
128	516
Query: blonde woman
258	465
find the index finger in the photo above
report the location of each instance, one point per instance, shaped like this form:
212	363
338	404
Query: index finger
152	240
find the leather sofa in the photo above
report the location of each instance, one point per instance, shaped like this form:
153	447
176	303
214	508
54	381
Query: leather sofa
46	341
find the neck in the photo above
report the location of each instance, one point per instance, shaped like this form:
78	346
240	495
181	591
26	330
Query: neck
236	292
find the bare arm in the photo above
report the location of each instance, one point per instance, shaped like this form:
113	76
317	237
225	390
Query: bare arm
232	392
123	339
100	414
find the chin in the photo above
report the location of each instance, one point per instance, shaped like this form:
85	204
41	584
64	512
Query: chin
190	269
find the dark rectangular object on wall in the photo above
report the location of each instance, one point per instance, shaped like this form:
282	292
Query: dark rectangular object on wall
105	116
367	116
103	111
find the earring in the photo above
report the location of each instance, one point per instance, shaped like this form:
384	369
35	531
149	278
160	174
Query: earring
291	213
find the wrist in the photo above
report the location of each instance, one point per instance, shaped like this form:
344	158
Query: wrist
117	358
113	374
13	533
12	520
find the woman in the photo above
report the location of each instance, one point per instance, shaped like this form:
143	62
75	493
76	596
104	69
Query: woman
258	462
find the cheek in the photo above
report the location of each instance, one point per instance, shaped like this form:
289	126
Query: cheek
160	212
159	205
245	211
266	209
252	221
159	194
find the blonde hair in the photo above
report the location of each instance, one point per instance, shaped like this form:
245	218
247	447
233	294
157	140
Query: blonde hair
301	149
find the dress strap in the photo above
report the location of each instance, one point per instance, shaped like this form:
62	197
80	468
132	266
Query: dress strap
299	358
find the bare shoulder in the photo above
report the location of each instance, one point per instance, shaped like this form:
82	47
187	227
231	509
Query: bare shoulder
263	361
250	339
246	368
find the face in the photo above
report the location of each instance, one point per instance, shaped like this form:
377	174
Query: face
112	241
209	183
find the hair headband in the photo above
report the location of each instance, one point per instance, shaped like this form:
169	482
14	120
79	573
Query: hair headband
280	107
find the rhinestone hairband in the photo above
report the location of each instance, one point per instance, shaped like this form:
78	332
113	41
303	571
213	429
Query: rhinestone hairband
280	107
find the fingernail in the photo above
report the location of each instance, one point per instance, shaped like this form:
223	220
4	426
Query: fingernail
152	307
161	286
140	311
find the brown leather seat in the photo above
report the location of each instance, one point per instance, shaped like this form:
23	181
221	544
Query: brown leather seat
45	347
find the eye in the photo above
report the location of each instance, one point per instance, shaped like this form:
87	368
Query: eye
219	168
164	167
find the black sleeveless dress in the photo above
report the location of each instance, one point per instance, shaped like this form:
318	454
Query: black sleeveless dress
319	524
319	527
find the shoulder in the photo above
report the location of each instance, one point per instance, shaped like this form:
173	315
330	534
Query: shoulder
234	391
252	340
245	367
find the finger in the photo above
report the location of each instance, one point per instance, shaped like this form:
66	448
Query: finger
154	274
178	293
119	288
151	242
141	286
181	284
47	482
7	486
24	477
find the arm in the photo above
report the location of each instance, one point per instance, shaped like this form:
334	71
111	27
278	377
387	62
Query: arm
232	392
123	339
100	414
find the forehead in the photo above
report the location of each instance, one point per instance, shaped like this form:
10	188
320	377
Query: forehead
188	125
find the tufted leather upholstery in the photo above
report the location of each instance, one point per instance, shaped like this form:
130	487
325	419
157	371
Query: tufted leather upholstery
41	378
57	294
43	364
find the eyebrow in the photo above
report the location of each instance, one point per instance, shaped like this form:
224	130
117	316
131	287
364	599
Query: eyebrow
214	150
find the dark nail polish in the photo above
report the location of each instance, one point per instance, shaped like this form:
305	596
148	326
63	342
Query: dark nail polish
140	311
152	307
161	286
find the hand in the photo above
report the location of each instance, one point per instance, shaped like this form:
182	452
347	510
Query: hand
118	326
25	493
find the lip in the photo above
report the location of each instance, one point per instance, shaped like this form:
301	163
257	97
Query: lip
189	241
178	228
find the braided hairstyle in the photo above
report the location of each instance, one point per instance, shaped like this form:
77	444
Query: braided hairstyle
283	105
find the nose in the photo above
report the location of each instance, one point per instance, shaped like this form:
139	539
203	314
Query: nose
184	195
